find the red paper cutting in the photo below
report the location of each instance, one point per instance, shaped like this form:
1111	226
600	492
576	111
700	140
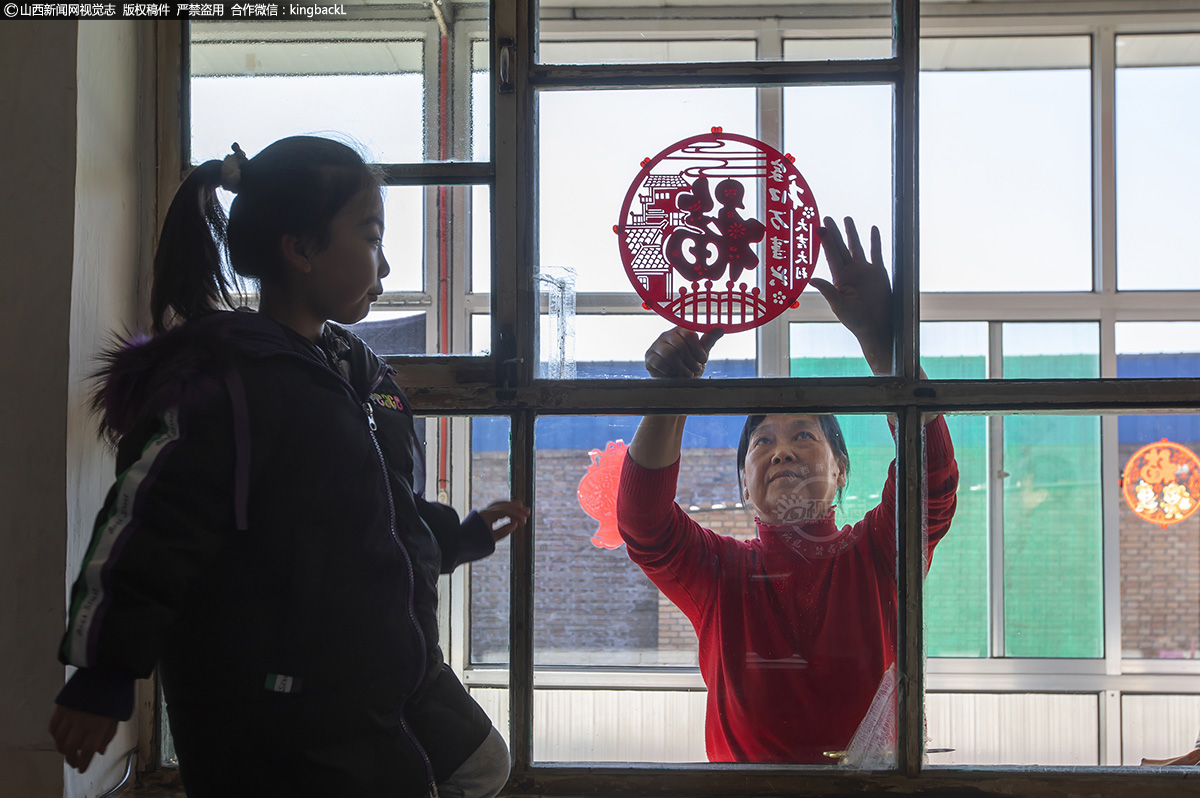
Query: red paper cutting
598	492
691	252
1161	483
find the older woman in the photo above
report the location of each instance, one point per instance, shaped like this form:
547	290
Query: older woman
796	628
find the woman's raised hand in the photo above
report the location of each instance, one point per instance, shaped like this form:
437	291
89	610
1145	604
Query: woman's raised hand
860	294
680	353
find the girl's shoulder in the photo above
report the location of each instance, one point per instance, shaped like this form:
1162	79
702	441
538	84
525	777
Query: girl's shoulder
186	366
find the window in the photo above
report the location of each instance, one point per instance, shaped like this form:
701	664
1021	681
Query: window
1051	160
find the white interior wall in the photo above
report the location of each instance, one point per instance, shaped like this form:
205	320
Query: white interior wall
70	206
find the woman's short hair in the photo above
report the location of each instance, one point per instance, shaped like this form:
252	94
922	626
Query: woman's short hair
829	427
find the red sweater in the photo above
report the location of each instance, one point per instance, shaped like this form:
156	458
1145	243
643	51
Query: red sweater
797	627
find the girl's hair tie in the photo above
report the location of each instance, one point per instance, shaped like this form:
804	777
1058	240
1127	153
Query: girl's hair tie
231	169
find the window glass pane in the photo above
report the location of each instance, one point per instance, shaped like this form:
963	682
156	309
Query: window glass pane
802	639
699	31
1028	728
403	237
490	578
1053	574
576	216
847	165
1160	536
481	239
956	588
481	102
824	349
1051	351
361	92
1157	162
1157	726
626	51
608	345
1027	105
362	81
954	350
1158	349
426	232
393	332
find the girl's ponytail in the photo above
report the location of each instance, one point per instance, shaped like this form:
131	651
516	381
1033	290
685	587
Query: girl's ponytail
295	186
189	277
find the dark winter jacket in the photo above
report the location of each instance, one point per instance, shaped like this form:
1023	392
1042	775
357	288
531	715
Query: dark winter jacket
264	546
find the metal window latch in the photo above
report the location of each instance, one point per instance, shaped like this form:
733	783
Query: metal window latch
504	65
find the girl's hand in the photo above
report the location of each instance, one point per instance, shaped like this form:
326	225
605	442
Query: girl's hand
860	294
80	735
680	353
504	518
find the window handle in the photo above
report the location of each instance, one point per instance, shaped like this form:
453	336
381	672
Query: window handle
504	63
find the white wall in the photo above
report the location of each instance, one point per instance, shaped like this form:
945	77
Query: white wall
70	206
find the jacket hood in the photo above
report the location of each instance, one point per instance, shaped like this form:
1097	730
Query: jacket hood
188	364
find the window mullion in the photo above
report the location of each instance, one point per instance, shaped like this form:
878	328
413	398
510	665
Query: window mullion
910	456
514	322
1104	164
772	338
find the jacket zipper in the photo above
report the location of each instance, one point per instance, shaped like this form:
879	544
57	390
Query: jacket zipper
387	486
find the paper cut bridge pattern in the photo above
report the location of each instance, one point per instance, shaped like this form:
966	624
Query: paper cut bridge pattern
1161	483
685	242
598	492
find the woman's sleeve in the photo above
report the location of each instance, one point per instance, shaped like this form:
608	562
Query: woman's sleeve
162	523
681	557
941	484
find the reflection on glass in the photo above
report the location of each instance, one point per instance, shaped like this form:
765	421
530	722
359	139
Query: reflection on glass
1157	166
586	165
1026	103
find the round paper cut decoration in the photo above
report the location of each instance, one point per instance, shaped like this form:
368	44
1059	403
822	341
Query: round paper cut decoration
689	246
598	492
1161	483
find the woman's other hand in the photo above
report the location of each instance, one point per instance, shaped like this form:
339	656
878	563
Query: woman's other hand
80	735
860	294
504	518
680	353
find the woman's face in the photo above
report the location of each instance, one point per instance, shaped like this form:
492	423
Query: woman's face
791	473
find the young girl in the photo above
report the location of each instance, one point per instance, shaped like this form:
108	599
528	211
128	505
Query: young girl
266	545
796	628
